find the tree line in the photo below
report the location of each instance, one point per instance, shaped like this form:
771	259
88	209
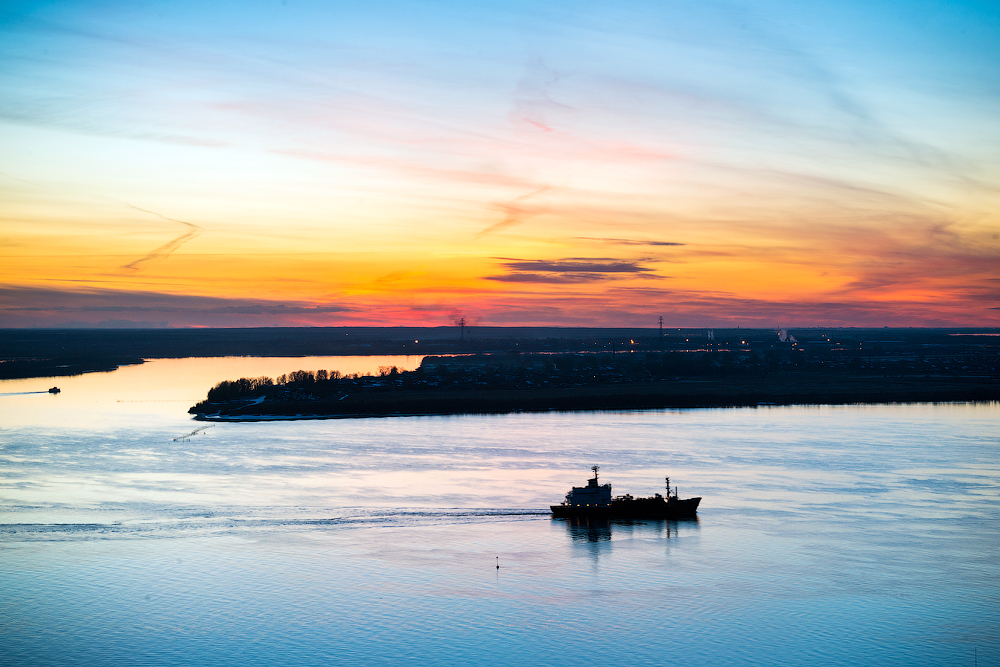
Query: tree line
229	390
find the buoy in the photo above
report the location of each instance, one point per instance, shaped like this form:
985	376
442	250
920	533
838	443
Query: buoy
498	562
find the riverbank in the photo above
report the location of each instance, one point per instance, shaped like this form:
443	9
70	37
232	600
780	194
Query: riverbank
22	369
705	392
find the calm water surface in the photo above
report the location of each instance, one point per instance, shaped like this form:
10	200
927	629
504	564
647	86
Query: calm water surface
827	535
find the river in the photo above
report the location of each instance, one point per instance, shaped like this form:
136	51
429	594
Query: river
827	535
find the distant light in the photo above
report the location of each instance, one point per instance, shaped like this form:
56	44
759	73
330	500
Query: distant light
416	341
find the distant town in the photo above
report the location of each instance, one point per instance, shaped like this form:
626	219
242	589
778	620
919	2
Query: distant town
53	352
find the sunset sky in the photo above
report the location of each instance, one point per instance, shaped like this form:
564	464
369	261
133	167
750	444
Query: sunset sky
288	162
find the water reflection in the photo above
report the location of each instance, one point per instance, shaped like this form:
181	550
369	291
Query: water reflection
595	535
587	530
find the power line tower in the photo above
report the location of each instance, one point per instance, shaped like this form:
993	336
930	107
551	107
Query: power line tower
661	333
461	324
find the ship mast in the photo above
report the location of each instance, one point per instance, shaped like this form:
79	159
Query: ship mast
595	469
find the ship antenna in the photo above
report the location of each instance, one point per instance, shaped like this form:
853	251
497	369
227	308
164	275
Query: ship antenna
595	469
668	487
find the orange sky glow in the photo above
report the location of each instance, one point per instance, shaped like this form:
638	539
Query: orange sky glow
564	167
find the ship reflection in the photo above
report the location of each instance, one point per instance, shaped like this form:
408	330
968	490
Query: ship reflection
588	530
600	530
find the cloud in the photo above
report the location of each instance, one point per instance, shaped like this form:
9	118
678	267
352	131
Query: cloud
549	278
532	100
577	265
571	270
28	306
276	309
116	324
630	241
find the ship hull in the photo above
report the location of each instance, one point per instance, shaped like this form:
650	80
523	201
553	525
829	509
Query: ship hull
634	508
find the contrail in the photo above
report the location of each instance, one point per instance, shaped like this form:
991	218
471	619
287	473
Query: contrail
15	178
515	214
167	248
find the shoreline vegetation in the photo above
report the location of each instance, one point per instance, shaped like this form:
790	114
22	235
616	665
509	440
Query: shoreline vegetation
513	382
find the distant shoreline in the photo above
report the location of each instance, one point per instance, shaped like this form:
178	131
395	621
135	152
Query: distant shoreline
27	369
36	353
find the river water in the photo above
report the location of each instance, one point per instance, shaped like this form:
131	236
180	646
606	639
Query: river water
847	535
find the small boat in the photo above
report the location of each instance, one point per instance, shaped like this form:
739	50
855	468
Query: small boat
54	390
595	500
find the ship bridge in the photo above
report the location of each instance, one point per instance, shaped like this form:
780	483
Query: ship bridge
592	495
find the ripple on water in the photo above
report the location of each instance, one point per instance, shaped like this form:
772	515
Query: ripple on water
828	536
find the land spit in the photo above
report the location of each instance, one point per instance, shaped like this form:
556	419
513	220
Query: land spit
699	392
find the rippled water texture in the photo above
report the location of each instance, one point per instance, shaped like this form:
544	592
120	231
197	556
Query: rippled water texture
827	535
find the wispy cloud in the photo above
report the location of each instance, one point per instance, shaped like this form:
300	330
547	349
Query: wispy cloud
40	306
515	211
532	99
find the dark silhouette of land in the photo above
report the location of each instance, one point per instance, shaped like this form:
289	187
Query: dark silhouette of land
500	369
45	352
97	349
702	370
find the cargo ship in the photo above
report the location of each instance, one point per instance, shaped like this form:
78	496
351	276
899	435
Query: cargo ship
595	500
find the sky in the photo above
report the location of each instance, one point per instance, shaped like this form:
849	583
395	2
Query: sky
168	163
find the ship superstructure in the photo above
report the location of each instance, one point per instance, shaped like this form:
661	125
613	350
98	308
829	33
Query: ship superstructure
592	495
595	500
